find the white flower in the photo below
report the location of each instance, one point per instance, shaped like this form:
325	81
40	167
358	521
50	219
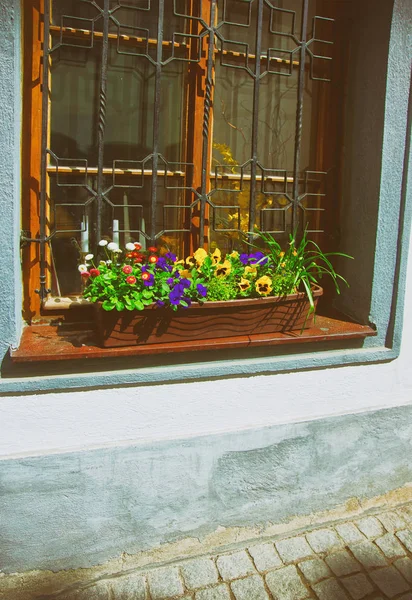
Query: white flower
108	262
103	243
89	257
130	246
117	251
112	246
82	268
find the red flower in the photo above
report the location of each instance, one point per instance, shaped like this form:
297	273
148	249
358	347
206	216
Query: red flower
130	255
94	272
131	279
145	276
152	249
85	274
138	259
127	269
138	246
153	259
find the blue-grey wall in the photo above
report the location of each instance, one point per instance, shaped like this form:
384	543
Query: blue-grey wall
74	510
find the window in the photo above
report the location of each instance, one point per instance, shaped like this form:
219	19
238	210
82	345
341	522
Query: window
178	123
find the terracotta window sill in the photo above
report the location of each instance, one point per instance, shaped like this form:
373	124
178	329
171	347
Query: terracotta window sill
72	341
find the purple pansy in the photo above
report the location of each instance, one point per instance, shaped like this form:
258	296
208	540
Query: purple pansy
202	290
149	281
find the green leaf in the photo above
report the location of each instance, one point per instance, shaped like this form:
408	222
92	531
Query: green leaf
147	301
139	305
147	294
108	305
119	305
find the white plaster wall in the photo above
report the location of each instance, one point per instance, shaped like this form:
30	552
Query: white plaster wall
64	421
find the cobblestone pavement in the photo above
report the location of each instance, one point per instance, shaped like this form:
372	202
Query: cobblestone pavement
365	559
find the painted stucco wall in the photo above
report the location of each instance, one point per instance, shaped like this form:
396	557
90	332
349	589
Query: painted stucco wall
242	422
10	135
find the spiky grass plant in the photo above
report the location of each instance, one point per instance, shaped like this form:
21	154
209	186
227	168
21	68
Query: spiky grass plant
301	265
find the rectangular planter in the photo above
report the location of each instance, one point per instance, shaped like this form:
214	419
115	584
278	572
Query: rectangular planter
207	321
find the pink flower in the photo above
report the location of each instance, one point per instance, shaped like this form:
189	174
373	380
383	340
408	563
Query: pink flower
94	272
153	259
131	279
145	276
127	269
85	274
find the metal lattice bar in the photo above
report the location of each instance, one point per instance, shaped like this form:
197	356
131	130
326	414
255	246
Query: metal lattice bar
43	290
156	119
102	119
206	118
213	46
299	115
255	117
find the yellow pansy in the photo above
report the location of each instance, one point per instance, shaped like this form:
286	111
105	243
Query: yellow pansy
216	256
250	270
200	256
223	269
185	273
234	254
244	284
263	285
190	261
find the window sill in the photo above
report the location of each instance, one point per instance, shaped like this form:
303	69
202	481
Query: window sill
70	342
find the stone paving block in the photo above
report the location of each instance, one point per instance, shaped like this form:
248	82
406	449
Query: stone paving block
221	592
232	566
404	565
265	557
164	583
99	591
314	570
199	572
390	546
368	555
330	590
251	588
389	581
350	533
342	563
371	527
132	587
392	521
406	513
358	586
406	538
324	540
293	549
285	584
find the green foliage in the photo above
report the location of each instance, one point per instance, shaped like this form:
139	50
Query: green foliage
132	279
221	290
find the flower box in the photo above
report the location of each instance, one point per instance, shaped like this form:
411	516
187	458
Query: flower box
210	320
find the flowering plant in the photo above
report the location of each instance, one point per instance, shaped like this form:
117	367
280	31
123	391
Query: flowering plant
132	279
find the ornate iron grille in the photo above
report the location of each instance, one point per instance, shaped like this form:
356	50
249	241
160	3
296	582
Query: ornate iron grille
194	113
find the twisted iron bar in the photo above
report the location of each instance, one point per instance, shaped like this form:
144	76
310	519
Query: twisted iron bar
299	117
